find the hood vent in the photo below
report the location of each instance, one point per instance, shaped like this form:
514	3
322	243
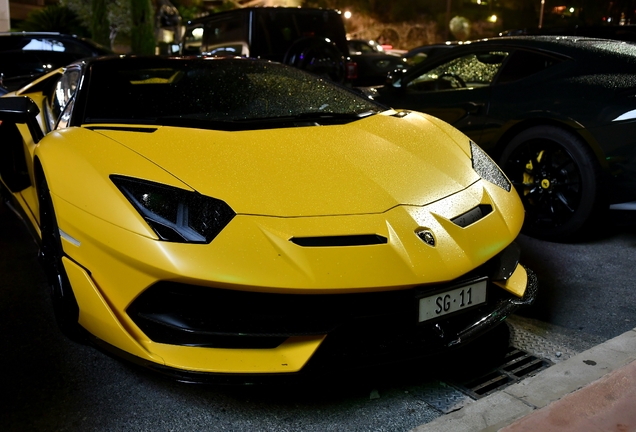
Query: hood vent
339	241
472	216
123	128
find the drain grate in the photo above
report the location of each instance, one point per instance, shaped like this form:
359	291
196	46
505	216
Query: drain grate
442	396
516	366
539	346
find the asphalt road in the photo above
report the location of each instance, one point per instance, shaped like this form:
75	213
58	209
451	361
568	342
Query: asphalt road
51	384
587	286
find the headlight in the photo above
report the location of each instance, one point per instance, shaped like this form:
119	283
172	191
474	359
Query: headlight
176	215
487	169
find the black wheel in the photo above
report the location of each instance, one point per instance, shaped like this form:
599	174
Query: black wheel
65	306
557	177
454	80
317	56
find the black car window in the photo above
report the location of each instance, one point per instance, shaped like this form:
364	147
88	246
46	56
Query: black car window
470	70
357	47
277	30
522	64
46	44
228	30
213	93
224	35
193	39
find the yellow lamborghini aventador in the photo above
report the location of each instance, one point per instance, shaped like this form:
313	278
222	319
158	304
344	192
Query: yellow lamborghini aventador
233	217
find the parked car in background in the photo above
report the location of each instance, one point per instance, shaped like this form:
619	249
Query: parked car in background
557	113
310	39
280	226
26	55
617	32
421	53
373	62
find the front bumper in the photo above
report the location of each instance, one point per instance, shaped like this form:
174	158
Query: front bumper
112	270
368	340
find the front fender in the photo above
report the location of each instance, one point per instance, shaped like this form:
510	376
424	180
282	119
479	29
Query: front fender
77	163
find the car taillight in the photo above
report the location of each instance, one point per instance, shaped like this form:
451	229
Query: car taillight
352	70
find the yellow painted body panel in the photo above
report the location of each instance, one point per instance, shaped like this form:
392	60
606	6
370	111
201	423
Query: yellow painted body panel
290	356
516	284
98	318
367	166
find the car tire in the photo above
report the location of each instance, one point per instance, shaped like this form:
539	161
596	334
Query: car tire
65	307
557	177
317	56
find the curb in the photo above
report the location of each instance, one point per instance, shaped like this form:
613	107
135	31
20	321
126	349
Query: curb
518	400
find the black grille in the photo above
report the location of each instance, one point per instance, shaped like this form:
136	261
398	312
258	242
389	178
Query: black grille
181	314
192	315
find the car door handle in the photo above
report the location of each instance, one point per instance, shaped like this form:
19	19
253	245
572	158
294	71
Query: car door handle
473	108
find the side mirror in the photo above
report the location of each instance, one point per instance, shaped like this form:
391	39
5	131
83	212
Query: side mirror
22	110
394	79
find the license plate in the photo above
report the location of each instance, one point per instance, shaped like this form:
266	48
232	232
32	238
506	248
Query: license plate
454	300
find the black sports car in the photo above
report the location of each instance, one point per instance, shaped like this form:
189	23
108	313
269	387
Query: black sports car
558	114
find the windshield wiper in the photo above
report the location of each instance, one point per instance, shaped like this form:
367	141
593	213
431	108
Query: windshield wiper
328	115
316	117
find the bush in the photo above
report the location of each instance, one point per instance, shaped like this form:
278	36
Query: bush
53	19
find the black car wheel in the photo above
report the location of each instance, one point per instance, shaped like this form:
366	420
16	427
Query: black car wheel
317	56
65	306
557	178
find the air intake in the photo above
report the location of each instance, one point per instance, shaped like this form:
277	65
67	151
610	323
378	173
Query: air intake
335	241
472	216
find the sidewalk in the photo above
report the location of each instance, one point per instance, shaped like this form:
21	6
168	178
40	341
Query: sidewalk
592	391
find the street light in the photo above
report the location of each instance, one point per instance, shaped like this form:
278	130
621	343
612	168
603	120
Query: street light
541	14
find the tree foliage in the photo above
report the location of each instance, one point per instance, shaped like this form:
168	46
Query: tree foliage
115	19
384	11
54	19
100	27
142	40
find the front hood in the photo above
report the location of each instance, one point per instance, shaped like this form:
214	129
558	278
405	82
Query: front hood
367	166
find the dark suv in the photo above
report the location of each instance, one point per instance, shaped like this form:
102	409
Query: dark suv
310	39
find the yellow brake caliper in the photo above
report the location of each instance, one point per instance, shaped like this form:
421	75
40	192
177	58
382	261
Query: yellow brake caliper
528	176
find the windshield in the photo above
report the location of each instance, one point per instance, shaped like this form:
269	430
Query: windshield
210	92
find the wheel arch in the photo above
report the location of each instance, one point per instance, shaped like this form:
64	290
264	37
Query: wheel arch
51	256
570	126
572	197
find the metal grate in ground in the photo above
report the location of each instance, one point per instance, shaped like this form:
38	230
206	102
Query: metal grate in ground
516	366
538	345
528	354
442	396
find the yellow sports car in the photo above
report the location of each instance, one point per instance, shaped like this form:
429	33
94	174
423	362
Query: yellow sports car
221	218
